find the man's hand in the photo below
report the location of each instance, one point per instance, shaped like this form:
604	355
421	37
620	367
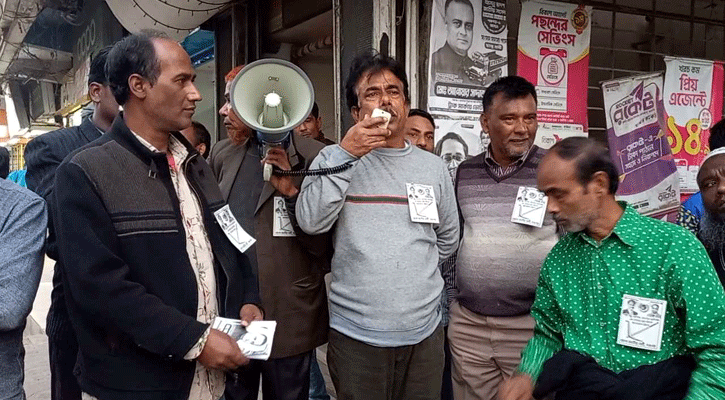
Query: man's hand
365	136
277	156
249	313
518	387
221	352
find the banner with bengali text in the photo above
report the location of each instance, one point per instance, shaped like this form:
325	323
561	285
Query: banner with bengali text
638	144
553	54
693	103
467	52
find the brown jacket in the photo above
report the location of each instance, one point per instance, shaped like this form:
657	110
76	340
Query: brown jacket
291	269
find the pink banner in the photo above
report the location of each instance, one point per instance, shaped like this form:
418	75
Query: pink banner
693	103
553	54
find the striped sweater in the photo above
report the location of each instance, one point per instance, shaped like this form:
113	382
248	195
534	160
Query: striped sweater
498	261
386	286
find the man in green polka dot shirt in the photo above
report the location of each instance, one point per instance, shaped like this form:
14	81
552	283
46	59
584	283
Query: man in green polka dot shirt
610	256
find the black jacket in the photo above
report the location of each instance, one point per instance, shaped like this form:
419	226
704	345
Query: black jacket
575	376
131	291
42	156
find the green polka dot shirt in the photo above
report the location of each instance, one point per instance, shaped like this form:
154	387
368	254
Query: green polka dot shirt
579	298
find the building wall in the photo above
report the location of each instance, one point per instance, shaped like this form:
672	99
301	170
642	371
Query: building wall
206	109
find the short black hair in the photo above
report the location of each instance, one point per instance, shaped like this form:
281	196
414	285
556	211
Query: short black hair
417	112
372	62
448	2
133	54
97	72
202	136
315	110
450	135
717	135
591	157
4	163
512	87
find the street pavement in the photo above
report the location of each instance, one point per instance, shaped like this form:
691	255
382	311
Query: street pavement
37	371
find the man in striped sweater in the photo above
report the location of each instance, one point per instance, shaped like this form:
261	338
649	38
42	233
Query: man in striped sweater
498	261
386	341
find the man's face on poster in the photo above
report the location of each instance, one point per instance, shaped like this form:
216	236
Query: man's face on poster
459	27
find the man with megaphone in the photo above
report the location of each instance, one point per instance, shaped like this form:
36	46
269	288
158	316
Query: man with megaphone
290	266
394	216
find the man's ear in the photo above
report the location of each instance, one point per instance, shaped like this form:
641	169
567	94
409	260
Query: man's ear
137	86
355	112
483	119
94	92
600	180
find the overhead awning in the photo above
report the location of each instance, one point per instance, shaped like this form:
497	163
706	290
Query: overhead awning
174	17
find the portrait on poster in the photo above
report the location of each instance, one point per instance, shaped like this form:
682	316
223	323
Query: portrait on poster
467	52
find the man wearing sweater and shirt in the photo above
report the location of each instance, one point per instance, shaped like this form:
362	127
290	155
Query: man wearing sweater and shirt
498	262
147	268
386	341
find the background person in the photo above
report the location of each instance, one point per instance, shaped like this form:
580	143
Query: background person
420	129
311	127
692	210
289	269
23	223
199	137
42	157
711	229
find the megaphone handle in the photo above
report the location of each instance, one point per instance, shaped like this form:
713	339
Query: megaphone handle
267	173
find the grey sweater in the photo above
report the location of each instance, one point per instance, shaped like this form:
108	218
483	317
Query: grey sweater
386	285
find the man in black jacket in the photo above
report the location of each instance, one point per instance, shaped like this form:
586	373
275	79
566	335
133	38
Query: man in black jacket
147	266
42	156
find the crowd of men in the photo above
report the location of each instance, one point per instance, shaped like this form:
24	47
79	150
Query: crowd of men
436	291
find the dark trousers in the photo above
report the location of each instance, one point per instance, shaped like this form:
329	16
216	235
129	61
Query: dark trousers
63	352
447	389
282	379
362	372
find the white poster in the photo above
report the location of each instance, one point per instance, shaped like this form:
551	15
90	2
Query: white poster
467	53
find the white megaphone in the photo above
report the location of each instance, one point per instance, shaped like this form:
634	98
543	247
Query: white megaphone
272	97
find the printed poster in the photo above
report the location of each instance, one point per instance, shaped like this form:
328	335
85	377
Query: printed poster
638	144
693	104
467	52
553	54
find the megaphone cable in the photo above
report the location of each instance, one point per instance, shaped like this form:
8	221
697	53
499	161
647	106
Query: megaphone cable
314	172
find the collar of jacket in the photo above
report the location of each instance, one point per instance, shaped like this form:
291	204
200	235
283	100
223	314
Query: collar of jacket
89	130
120	133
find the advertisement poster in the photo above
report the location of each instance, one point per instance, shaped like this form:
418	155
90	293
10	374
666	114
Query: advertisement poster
553	54
467	53
693	103
638	144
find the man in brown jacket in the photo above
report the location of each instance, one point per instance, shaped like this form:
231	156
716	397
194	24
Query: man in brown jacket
290	266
